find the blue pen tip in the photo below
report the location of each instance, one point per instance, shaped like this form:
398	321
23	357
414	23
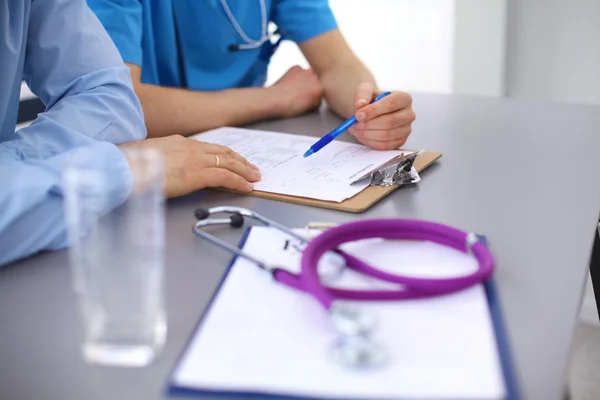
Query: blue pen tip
309	152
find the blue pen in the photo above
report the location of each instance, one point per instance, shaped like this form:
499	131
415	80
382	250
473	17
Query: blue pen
325	140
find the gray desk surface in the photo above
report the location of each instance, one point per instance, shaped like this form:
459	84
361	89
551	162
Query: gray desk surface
523	173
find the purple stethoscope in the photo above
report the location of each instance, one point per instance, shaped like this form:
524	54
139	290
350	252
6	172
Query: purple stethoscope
355	346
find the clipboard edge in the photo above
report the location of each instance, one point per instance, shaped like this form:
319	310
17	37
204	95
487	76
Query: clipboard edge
431	157
502	341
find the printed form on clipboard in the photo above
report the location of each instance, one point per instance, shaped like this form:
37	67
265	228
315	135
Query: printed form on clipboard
260	338
335	173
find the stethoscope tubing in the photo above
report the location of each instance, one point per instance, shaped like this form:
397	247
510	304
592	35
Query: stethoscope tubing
415	288
309	281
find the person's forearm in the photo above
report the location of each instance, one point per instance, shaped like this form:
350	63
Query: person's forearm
340	83
174	111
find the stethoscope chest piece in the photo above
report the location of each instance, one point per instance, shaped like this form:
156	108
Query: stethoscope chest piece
355	346
359	351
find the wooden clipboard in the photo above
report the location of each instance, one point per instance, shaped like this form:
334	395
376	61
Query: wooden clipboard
361	201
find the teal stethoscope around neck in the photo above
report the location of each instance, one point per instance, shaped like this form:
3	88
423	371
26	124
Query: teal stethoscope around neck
250	43
264	42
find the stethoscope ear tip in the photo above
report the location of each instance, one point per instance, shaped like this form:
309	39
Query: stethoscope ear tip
236	221
201	213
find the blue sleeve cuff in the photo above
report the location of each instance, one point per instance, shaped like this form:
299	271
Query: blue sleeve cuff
105	161
34	195
303	20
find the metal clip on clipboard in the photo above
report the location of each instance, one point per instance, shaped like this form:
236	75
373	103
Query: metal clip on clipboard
398	171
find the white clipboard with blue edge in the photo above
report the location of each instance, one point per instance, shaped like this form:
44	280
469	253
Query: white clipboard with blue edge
258	338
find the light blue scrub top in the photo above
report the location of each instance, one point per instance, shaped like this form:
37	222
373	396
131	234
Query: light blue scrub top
70	63
145	34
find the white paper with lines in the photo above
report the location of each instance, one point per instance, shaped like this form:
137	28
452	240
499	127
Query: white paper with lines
327	175
262	337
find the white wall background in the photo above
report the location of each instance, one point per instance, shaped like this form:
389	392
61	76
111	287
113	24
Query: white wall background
479	50
441	46
554	50
406	43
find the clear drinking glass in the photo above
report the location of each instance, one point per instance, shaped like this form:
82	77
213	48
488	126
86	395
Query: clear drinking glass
117	260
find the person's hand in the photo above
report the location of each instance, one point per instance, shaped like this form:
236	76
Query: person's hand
190	165
385	124
297	92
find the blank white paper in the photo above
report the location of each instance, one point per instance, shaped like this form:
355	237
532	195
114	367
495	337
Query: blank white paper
262	337
327	175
